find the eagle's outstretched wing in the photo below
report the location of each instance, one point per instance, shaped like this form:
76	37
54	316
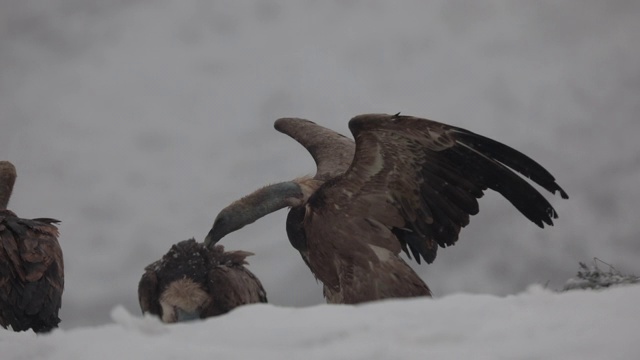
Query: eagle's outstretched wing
421	179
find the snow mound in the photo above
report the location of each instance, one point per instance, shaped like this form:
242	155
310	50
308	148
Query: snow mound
537	324
147	324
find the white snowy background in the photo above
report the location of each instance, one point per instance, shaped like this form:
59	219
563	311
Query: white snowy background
135	122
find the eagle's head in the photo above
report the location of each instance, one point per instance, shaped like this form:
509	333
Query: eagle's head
193	281
183	300
180	279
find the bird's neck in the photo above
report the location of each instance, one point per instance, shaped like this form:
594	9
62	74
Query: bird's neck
258	204
271	198
6	188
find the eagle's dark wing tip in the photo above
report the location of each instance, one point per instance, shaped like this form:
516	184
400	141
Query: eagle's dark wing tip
47	220
563	194
554	188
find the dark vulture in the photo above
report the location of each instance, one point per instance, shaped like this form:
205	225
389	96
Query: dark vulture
409	185
193	281
31	266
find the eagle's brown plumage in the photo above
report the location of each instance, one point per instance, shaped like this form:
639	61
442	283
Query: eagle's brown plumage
411	185
31	266
332	153
193	281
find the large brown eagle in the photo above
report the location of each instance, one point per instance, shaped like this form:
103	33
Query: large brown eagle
31	266
193	281
406	184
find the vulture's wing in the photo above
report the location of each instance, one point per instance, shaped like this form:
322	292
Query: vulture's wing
331	151
233	284
420	180
148	290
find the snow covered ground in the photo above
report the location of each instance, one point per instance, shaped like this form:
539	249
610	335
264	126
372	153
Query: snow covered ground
135	122
537	324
